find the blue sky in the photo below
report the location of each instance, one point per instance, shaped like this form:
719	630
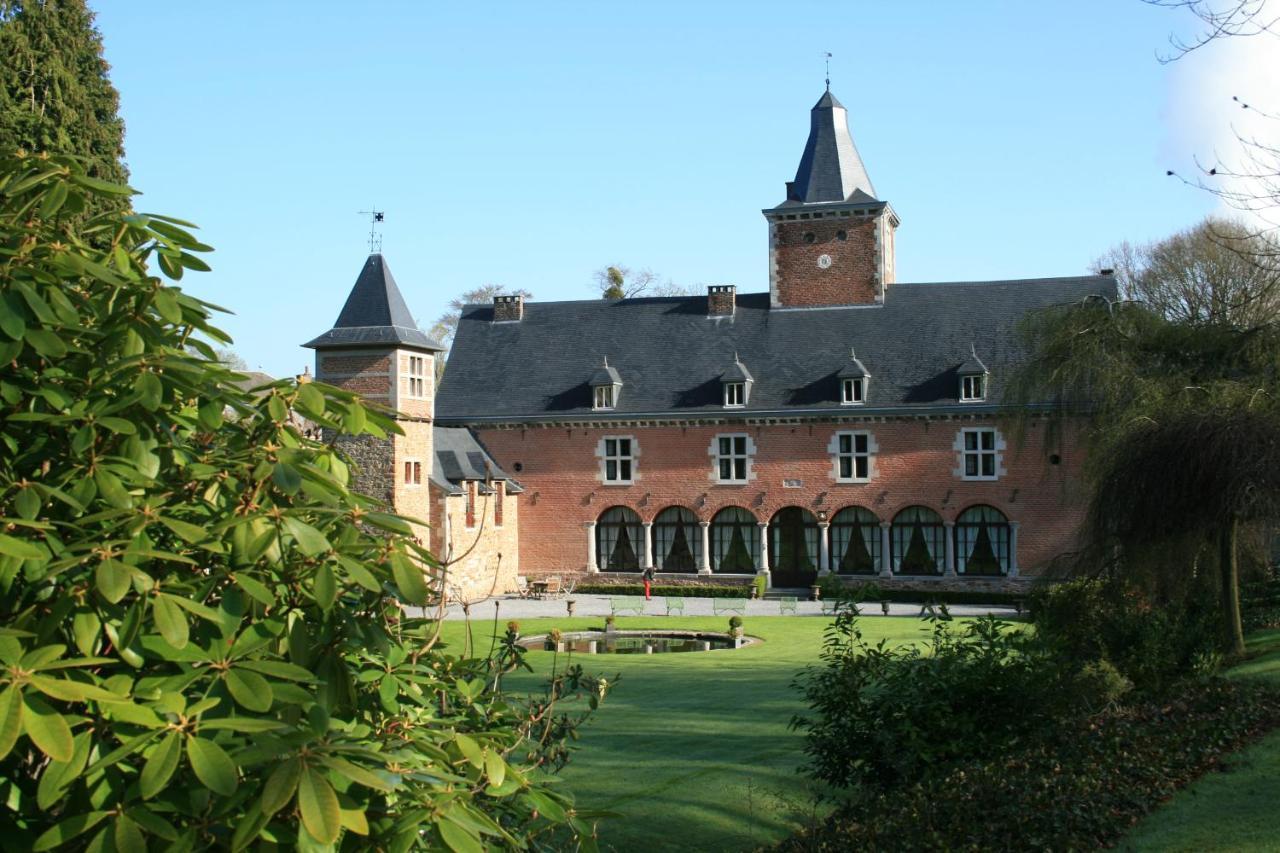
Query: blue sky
530	144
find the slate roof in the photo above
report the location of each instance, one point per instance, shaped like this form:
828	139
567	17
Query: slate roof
972	365
673	355
375	315
459	457
605	375
854	369
737	372
830	169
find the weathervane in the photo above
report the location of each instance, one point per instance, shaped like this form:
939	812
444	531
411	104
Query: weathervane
375	219
827	54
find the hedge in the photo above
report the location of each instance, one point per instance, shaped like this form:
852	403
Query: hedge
694	590
1078	785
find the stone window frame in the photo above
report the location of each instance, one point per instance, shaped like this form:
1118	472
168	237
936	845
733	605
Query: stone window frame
748	456
416	374
412	472
604	457
996	451
833	448
848	397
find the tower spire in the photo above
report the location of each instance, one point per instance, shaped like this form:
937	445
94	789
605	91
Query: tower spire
827	54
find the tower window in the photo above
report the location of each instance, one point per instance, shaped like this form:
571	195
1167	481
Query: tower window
417	377
853	392
412	472
808	237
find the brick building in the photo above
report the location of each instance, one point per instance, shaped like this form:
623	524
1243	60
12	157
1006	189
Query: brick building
841	423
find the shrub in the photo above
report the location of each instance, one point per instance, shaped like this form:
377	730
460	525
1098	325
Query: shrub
880	715
735	621
760	585
201	624
1076	785
674	590
1151	645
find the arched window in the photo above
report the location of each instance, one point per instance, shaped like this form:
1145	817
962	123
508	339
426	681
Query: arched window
793	546
619	540
982	542
677	540
918	541
855	542
735	541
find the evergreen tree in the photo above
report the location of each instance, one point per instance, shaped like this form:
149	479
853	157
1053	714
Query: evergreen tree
55	95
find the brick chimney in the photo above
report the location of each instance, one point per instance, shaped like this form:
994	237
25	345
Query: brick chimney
508	309
720	300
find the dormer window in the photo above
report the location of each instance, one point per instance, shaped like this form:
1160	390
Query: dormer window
736	382
853	381
973	378
606	385
735	395
604	397
973	388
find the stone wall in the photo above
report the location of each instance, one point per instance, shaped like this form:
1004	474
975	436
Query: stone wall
483	559
370	460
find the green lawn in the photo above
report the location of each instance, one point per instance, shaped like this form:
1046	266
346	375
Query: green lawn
693	749
1232	810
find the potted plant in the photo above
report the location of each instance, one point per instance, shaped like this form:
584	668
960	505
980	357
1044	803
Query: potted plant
513	630
609	624
569	605
555	640
735	627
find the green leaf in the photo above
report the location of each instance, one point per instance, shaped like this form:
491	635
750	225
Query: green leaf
356	773
458	838
256	590
149	390
10	718
71	691
210	415
48	344
360	574
286	478
280	785
277	409
319	806
494	767
277	669
241	724
212	765
409	579
310	541
171	621
19	548
86	626
127	835
27	502
310	397
58	776
249	689
118	425
111	489
325	590
160	765
187	532
63	831
167	305
47	729
113	578
471	750
390	523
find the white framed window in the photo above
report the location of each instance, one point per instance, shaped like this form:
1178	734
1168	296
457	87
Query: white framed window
603	398
853	452
980	454
412	472
732	458
417	377
973	388
853	392
735	395
619	460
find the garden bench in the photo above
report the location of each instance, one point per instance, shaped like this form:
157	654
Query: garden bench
729	605
787	604
675	604
627	604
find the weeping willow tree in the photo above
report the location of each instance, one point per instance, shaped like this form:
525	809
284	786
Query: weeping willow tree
1183	431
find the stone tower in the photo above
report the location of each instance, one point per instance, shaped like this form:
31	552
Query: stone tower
376	350
831	241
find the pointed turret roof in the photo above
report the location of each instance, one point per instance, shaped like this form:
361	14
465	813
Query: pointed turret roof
830	168
375	314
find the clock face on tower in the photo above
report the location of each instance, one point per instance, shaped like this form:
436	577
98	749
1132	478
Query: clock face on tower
824	261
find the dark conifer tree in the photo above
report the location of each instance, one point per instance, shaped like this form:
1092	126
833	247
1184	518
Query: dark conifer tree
55	93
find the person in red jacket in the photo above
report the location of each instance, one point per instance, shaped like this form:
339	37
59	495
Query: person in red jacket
648	579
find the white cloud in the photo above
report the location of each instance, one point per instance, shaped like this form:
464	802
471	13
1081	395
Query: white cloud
1204	124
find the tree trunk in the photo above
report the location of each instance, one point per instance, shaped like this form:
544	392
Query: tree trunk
1233	631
